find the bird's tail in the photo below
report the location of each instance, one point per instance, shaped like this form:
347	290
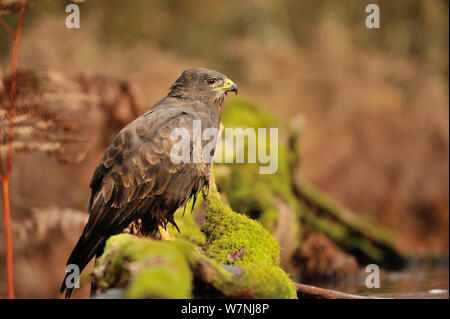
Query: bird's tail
85	249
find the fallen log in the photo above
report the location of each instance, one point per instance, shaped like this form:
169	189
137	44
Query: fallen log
357	234
363	238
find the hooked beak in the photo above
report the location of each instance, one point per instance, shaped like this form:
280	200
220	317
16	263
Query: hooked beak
229	87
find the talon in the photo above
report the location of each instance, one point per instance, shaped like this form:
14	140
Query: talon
165	234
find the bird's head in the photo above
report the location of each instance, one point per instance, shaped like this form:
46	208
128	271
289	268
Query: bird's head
203	84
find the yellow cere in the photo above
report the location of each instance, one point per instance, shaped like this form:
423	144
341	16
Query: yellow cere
228	83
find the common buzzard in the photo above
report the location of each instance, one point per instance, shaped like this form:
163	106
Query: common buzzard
136	178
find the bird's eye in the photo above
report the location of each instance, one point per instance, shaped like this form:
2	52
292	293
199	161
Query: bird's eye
212	81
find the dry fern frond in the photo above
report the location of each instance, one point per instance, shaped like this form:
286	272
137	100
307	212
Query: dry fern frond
51	116
45	225
10	6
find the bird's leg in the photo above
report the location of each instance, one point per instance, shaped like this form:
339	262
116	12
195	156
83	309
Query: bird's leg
211	180
164	234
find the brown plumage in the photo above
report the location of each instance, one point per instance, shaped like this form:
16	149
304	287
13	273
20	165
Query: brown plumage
136	178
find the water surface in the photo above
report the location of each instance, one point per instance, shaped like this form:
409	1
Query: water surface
411	283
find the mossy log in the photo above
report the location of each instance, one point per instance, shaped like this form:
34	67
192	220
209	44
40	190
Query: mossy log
134	267
236	258
361	236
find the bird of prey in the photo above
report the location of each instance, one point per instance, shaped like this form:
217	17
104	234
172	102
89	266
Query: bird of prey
136	178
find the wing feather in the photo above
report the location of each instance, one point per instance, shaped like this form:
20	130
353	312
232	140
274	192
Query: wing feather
135	167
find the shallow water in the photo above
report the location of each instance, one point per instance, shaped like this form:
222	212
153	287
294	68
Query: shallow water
412	283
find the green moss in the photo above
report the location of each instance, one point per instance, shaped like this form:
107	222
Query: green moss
365	239
259	195
149	268
266	282
250	281
363	224
166	280
247	190
242	112
159	269
156	269
345	237
268	218
228	231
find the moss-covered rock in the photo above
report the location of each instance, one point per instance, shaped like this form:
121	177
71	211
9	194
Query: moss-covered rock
147	267
266	282
249	281
256	271
228	231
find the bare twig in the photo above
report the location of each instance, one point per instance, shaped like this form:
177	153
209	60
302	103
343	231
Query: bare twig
312	292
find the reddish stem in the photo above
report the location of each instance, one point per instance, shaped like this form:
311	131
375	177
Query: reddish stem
9	246
7	175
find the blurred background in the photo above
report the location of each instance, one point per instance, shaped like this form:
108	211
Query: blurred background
374	104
